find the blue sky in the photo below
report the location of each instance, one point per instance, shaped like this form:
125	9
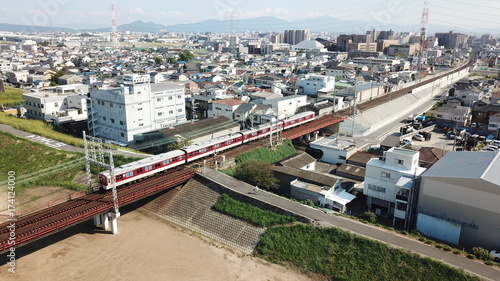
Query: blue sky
459	13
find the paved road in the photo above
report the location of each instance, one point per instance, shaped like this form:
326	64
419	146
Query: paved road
56	144
394	239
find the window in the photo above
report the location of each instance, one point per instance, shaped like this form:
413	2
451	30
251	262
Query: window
110	104
401	206
386	175
112	120
166	162
129	174
158	99
179	96
170	98
56	104
179	110
139	109
341	157
142	124
376	188
160	113
104	118
170	112
122	135
398	161
121	122
149	168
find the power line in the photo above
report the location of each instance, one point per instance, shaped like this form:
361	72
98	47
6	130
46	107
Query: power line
462	25
472	4
493	22
460	10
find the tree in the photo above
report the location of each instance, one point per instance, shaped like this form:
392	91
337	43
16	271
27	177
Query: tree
55	77
179	144
44	43
158	60
172	60
186	56
256	172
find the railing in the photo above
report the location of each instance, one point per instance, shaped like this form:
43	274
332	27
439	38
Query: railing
45	205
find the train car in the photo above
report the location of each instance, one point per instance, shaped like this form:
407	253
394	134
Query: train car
143	168
156	164
298	119
206	148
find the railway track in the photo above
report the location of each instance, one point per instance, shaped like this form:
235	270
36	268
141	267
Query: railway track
42	223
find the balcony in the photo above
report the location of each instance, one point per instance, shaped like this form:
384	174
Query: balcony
403	194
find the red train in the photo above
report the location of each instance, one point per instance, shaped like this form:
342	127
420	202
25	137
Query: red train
161	162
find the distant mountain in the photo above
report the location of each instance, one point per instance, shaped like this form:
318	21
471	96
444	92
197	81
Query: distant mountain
319	24
136	26
253	24
32	28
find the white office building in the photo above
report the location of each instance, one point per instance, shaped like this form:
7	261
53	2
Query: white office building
134	107
312	84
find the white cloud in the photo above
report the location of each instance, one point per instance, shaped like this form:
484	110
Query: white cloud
102	13
35	11
172	13
4	10
74	13
278	12
136	11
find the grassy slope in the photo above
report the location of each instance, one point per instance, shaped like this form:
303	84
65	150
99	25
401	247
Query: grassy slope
40	128
11	97
247	212
27	159
341	255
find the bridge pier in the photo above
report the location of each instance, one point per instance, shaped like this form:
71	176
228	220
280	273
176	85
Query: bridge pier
114	221
104	221
97	220
316	133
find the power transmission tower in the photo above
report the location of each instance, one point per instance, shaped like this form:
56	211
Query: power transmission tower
423	38
95	151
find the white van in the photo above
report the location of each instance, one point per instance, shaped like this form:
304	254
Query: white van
406	141
495	143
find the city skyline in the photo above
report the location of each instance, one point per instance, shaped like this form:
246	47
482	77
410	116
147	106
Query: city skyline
380	13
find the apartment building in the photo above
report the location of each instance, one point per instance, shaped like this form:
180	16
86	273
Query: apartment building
58	105
133	107
390	183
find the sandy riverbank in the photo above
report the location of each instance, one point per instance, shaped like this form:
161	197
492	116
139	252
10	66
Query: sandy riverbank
146	248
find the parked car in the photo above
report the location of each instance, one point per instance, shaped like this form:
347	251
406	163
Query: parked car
419	137
496	256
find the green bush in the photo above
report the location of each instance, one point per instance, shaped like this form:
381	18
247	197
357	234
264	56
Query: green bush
481	253
471	256
269	155
369	217
229	206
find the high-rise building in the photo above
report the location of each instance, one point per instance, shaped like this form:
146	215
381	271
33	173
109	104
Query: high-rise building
277	38
293	37
451	40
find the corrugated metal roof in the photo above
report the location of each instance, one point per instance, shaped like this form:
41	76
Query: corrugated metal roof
465	164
